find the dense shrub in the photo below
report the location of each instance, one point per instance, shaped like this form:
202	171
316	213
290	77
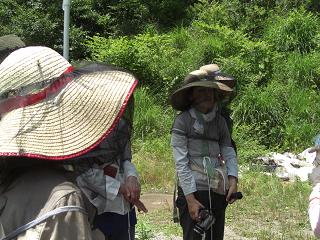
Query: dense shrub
264	110
296	31
277	73
279	116
302	69
302	119
146	55
249	145
235	14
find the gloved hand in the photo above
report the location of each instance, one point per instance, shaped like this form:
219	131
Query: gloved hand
315	176
316	148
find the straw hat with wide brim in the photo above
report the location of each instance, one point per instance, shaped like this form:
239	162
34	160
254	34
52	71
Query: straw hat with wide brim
198	78
51	111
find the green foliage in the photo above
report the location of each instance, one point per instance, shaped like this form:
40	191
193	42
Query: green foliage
150	119
144	231
149	56
128	16
7	11
152	152
235	14
40	23
295	31
279	115
250	61
264	110
268	211
153	159
249	16
167	13
34	24
301	69
215	13
302	121
160	221
248	145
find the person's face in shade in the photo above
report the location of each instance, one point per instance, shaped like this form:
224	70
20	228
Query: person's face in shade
202	99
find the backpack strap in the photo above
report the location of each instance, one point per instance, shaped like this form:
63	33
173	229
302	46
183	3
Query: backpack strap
33	223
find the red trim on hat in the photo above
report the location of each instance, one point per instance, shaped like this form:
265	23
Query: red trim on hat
61	158
23	101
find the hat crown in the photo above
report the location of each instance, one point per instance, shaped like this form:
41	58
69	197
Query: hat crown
195	76
206	72
211	69
30	65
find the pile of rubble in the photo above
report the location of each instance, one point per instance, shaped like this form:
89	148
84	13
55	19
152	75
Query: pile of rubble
288	166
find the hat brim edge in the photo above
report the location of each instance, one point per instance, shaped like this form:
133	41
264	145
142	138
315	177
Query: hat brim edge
83	151
183	103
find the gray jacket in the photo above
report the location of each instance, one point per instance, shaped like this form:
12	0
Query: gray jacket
188	137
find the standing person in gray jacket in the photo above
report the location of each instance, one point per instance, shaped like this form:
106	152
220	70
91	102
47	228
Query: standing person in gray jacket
206	162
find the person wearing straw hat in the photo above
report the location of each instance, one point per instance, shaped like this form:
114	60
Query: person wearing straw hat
111	182
9	43
215	73
206	163
51	114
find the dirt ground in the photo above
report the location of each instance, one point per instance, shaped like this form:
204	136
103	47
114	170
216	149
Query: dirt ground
155	201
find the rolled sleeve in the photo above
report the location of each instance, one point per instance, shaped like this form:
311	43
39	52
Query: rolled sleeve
180	154
229	155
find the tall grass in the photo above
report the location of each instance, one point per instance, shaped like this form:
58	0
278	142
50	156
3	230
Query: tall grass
151	120
151	142
270	209
297	30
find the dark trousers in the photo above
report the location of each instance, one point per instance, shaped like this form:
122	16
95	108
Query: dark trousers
115	226
218	204
124	235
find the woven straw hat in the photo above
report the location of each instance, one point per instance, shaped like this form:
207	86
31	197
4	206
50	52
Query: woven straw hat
198	78
49	110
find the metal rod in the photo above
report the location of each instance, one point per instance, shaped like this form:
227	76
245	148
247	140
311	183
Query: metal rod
66	8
